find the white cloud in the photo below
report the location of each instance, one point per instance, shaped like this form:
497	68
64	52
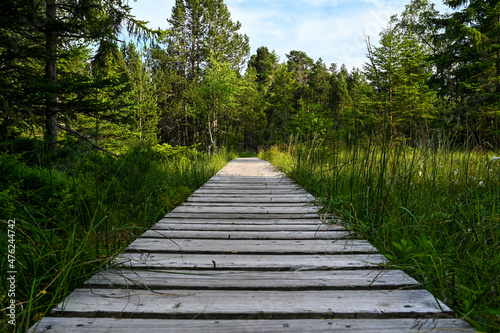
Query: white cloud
331	29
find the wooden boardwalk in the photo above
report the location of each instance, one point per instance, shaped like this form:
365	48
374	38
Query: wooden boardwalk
248	252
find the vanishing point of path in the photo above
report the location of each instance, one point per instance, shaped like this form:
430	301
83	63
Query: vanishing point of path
248	252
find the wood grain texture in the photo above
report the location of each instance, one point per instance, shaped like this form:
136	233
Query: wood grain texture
263	222
250	186
278	178
216	215
256	304
256	246
125	325
252	189
250	262
262	209
210	234
250	198
244	205
250	252
253	280
229	227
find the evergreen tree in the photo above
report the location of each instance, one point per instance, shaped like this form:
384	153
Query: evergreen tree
48	33
21	66
399	73
319	83
468	65
176	124
265	64
142	95
356	121
418	19
198	28
339	98
280	105
300	66
216	100
251	121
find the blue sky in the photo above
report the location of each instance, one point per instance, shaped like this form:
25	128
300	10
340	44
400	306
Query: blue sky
331	29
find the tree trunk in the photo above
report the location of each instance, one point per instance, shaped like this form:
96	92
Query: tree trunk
51	75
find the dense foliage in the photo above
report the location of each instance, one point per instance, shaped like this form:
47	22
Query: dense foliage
432	75
433	212
149	106
71	219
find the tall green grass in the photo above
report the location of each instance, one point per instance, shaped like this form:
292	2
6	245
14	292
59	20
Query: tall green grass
73	217
435	212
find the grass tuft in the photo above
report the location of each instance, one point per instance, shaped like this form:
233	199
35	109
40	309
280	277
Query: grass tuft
433	212
72	218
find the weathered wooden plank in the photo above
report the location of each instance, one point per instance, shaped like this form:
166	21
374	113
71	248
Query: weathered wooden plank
236	179
250	183
194	215
257	221
255	170
244	205
238	172
284	188
250	262
264	210
290	194
245	227
254	304
241	174
247	192
250	246
252	280
258	180
253	198
205	234
126	325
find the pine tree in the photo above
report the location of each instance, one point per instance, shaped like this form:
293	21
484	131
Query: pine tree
468	65
216	100
265	64
339	98
281	102
48	33
300	66
399	73
319	83
143	95
197	29
251	121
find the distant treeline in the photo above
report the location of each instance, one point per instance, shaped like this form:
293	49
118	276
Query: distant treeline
63	69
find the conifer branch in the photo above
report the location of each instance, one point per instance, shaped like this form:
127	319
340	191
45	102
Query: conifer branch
81	136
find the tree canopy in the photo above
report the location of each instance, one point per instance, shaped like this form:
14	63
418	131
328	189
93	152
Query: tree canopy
63	67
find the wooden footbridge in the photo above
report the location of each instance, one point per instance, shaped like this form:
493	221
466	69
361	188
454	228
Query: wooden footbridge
248	252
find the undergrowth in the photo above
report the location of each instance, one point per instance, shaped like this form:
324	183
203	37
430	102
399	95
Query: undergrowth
72	217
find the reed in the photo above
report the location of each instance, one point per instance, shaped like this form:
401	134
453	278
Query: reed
433	211
70	222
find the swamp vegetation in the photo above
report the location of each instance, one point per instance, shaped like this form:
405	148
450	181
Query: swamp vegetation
100	138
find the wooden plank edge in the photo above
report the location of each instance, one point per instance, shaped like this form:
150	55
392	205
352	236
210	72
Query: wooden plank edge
117	325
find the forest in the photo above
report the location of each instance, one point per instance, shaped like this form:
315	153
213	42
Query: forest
101	135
